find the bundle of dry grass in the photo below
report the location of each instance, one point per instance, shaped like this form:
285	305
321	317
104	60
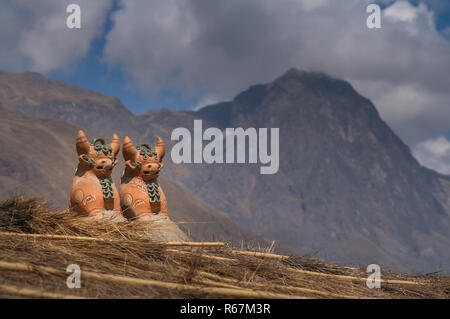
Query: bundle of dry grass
118	261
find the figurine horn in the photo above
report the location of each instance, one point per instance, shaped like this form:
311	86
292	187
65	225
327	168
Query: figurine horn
83	145
129	151
115	145
160	148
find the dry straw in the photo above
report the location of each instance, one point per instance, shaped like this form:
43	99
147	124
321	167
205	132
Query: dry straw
117	260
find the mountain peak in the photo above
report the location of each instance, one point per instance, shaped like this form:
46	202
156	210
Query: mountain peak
303	74
292	72
309	76
318	82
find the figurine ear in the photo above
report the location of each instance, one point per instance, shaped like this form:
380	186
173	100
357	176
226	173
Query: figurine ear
115	145
129	151
84	158
83	145
133	165
160	148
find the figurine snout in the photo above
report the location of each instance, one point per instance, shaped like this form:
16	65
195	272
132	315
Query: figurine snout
104	164
152	168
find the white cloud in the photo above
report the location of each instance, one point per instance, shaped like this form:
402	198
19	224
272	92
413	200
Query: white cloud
219	48
216	49
434	153
413	111
401	11
35	36
207	100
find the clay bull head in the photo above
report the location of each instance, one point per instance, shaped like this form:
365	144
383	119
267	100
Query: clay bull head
93	191
140	192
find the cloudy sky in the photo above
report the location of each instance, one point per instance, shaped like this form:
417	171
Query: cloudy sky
182	54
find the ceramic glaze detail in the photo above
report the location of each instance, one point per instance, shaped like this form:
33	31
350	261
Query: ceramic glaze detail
100	145
153	191
146	151
107	189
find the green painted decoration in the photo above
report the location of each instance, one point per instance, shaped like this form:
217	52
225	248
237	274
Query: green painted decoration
107	188
138	165
146	151
101	146
153	191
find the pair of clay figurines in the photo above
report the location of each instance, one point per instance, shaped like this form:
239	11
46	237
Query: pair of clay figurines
94	195
93	191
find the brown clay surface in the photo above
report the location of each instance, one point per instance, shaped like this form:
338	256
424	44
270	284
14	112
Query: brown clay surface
96	162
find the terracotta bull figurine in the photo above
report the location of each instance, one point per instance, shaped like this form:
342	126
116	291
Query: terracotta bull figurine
141	196
140	193
93	192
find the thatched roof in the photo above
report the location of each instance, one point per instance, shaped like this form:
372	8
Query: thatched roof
117	260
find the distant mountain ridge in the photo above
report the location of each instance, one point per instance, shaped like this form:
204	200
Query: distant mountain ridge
38	158
36	95
348	187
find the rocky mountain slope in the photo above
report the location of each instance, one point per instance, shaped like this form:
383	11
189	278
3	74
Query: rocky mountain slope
38	158
348	188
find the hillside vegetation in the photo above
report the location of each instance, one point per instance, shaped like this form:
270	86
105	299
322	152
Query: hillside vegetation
118	261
